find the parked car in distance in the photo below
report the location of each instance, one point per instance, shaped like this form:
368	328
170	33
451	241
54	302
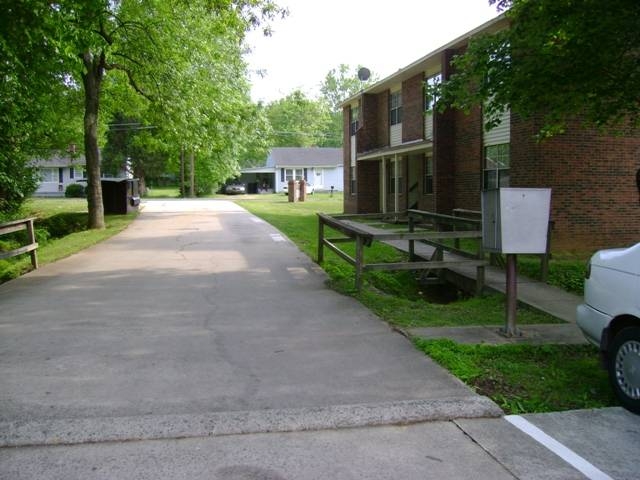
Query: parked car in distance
610	318
235	189
308	188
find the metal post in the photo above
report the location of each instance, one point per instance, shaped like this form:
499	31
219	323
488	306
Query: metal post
320	240
510	329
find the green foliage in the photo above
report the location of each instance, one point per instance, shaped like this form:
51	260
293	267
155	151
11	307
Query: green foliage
298	121
17	182
75	190
527	378
559	60
567	274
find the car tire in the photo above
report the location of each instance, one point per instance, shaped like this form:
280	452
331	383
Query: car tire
624	367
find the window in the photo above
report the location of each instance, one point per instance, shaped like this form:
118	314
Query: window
49	175
352	180
293	174
431	100
77	172
391	177
428	175
496	166
395	108
354	120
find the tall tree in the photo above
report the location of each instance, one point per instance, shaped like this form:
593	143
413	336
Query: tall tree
143	40
559	58
298	121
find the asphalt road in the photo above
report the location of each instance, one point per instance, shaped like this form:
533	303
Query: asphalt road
201	343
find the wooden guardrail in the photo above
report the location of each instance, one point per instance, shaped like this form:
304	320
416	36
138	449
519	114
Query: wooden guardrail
347	225
32	245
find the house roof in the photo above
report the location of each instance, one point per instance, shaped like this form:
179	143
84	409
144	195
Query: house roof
304	157
57	160
430	63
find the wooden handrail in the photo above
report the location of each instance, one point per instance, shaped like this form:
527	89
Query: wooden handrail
32	245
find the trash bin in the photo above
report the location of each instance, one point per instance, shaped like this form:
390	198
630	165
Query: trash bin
293	190
120	195
303	191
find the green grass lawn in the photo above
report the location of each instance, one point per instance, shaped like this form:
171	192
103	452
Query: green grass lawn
520	378
162	192
60	232
527	378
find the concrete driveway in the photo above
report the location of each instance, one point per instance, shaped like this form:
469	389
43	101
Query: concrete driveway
202	344
200	308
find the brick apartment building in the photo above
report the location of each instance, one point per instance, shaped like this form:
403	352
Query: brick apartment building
396	157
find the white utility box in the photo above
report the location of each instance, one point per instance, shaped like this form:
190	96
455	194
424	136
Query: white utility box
515	220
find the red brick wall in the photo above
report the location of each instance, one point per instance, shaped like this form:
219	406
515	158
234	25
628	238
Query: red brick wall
594	199
368	134
413	109
368	185
382	133
468	159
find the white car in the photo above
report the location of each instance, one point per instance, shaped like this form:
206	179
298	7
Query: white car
610	318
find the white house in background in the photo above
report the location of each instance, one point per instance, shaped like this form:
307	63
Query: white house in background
57	172
322	167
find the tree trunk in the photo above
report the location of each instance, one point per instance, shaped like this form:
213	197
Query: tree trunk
192	173
183	193
92	80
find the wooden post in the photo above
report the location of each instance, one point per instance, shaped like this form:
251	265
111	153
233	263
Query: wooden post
544	261
510	329
320	240
359	260
32	239
412	251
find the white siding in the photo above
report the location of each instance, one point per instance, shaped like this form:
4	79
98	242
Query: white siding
428	126
395	134
501	133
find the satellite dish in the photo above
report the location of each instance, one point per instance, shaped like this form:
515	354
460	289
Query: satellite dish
364	74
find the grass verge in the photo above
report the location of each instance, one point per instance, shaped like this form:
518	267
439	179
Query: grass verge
527	378
60	232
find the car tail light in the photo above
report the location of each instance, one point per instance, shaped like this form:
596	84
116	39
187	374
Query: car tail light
587	270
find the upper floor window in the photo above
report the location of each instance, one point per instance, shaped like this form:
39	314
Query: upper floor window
395	108
354	120
430	100
497	160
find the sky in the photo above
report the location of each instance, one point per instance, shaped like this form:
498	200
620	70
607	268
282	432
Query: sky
382	35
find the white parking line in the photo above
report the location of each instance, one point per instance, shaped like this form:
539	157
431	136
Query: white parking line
276	237
257	220
568	455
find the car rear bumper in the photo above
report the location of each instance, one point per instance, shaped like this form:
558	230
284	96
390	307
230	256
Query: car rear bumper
592	322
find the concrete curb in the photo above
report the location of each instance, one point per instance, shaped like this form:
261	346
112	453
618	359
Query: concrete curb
156	427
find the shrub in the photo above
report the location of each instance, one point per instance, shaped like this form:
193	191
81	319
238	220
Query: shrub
75	190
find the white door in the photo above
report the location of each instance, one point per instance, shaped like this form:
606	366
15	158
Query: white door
318	178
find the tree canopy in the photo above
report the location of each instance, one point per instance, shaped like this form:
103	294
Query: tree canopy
560	59
184	58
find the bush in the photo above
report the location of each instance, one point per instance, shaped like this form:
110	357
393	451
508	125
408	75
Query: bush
75	190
